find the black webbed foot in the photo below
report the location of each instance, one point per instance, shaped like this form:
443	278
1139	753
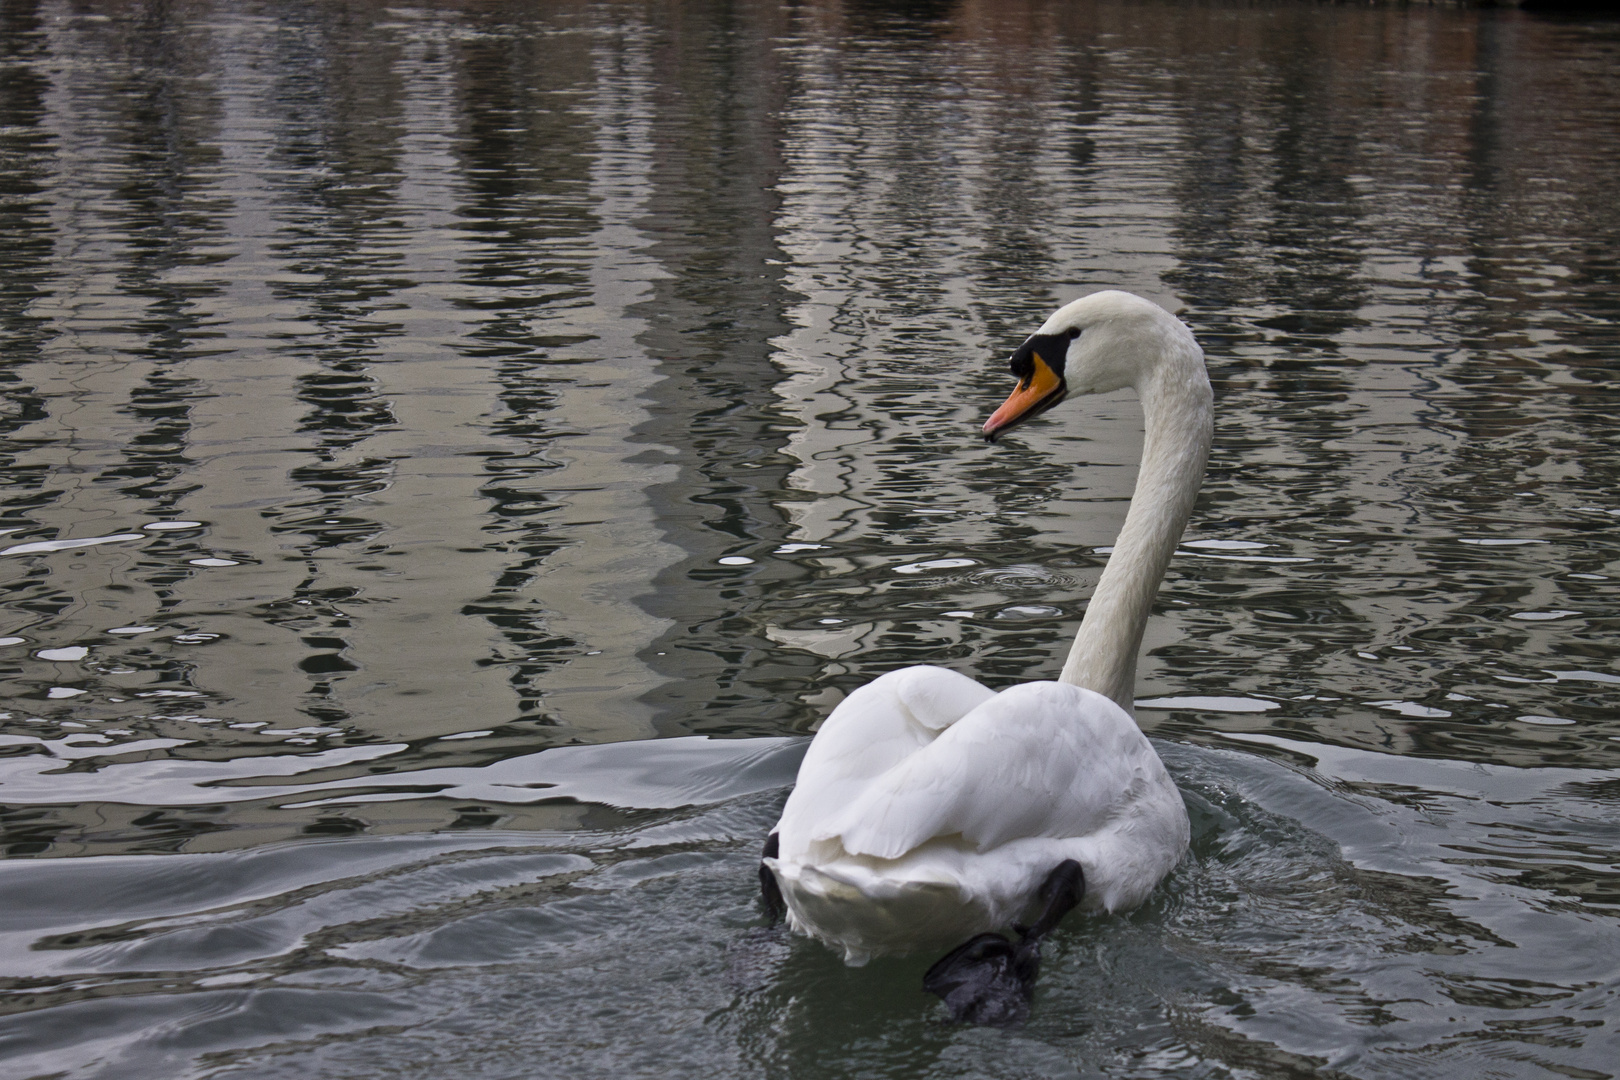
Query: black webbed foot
1061	892
989	980
770	894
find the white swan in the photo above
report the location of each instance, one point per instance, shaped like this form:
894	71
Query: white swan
928	807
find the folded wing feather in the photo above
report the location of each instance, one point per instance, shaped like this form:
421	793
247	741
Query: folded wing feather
877	727
1009	769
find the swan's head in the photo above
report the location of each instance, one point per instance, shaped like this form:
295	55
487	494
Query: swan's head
1096	344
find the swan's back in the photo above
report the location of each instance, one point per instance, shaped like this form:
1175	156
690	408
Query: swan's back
936	807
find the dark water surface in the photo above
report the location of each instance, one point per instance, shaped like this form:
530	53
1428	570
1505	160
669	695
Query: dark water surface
453	454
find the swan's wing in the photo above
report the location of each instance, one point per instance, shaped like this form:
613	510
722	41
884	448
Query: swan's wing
936	697
1038	760
875	728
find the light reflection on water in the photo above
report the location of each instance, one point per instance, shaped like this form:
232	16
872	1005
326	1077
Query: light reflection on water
409	409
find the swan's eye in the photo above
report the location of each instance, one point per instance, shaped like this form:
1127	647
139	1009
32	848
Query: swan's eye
1074	332
1019	363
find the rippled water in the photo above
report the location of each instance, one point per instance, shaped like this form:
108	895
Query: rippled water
453	455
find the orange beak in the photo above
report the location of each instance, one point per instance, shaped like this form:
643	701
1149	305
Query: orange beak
1043	389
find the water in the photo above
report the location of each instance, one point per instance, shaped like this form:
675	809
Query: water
455	454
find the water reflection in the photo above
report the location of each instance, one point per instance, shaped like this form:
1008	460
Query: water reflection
392	396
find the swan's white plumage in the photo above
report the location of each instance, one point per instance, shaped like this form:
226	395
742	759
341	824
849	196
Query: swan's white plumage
929	808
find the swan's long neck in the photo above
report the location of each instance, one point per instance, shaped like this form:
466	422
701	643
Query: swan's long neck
1177	414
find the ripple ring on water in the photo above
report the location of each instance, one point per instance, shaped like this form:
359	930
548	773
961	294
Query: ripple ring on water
1022	576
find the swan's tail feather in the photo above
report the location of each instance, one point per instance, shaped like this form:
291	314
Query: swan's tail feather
862	914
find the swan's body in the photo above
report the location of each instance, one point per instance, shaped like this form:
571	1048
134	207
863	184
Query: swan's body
929	808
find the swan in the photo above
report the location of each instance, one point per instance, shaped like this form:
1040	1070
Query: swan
929	808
